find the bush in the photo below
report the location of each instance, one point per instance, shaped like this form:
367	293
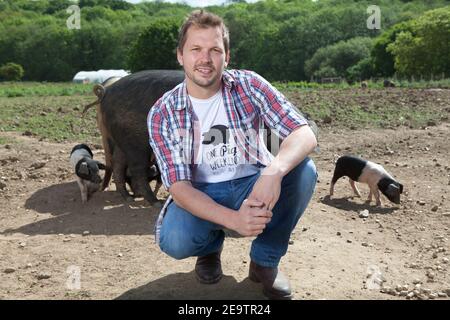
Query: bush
155	48
363	70
334	60
11	72
424	51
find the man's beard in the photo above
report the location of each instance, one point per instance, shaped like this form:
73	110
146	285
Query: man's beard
202	82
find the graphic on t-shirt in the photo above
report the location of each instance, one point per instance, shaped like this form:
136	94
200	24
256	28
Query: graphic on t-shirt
217	134
218	157
218	152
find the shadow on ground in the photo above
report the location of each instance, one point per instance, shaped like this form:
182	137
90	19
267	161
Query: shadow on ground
106	213
184	286
347	204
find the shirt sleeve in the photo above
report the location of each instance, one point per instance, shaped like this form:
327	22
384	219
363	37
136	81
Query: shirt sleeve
168	149
277	112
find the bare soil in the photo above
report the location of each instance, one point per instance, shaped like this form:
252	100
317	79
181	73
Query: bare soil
48	238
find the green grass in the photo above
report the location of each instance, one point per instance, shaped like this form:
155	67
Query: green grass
40	89
52	118
304	85
53	111
7	140
356	108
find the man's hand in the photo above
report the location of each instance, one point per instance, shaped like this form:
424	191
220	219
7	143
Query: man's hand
267	189
251	218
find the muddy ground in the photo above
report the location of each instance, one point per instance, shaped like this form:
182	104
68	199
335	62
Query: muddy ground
53	247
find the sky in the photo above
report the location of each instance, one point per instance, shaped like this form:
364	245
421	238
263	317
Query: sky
194	3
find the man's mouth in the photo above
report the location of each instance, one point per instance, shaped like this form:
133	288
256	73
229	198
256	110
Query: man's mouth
204	70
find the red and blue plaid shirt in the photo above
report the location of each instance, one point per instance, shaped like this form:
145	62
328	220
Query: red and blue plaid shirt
249	99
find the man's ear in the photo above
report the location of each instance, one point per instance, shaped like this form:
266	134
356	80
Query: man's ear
180	57
227	58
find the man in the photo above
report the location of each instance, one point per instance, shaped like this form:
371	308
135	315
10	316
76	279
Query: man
207	139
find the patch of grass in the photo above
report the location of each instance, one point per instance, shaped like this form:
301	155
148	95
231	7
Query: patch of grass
40	89
358	108
371	84
7	140
58	118
52	118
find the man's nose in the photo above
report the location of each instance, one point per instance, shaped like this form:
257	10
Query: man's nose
205	56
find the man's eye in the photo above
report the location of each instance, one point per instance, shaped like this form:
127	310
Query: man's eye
195	49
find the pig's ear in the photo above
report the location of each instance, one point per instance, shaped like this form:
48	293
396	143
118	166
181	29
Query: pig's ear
392	189
84	168
401	187
101	165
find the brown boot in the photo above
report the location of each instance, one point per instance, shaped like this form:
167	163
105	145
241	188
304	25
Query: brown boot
275	284
208	269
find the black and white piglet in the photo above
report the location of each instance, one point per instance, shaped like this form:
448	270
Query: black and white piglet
368	172
87	170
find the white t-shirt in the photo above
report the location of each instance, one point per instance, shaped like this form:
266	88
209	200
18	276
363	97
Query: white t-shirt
219	158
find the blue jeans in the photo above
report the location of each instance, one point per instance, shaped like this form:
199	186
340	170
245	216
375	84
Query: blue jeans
184	235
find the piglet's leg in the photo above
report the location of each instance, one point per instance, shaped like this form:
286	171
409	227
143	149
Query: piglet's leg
331	188
83	190
377	197
355	189
369	198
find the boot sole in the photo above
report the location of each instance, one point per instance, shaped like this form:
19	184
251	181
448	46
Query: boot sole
268	294
211	281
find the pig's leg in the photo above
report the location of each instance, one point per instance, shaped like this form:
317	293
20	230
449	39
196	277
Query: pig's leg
140	182
83	190
336	176
119	170
377	197
355	189
331	189
107	148
369	199
158	185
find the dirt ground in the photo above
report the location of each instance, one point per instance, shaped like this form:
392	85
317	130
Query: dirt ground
53	247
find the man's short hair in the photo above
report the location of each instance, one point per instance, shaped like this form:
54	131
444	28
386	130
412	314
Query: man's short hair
203	19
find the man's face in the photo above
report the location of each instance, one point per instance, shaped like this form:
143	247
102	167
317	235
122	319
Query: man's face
203	57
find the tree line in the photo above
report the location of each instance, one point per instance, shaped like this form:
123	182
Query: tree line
284	40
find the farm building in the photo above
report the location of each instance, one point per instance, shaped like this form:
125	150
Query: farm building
98	76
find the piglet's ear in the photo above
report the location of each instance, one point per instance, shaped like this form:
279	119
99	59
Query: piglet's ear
84	168
101	165
392	189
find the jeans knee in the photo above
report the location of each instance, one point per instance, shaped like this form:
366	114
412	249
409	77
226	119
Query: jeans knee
310	172
175	246
306	173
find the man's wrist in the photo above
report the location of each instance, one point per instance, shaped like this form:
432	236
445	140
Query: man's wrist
273	170
228	219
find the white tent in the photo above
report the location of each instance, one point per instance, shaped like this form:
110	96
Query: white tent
98	76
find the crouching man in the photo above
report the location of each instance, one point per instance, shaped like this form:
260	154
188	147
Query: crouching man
208	143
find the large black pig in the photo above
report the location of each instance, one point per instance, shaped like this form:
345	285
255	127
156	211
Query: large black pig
124	109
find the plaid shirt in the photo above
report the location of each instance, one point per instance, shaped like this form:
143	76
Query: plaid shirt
248	98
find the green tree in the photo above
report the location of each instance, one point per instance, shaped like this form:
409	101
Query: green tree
155	47
425	50
336	59
11	72
363	70
383	60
